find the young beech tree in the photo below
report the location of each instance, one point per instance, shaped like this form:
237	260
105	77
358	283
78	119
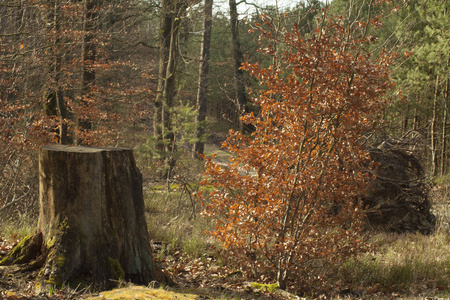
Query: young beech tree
287	203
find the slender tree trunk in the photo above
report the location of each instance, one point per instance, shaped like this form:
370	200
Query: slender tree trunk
171	13
60	101
444	133
165	51
406	118
241	97
444	126
54	96
434	162
416	123
166	79
202	94
89	56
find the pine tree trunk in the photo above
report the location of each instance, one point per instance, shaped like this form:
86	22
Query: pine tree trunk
416	124
444	128
442	168
434	162
92	227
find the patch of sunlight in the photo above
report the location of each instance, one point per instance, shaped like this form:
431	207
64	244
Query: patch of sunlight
141	292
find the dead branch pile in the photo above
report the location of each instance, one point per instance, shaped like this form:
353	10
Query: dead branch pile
398	198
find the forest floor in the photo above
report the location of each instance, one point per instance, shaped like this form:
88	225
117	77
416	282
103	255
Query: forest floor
409	266
197	278
194	278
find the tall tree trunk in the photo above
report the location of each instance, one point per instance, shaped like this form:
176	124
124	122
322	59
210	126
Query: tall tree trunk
444	126
444	132
406	118
54	96
416	123
89	56
202	94
434	161
60	101
241	96
166	61
171	13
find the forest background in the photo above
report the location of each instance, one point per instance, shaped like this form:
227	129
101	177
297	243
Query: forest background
164	77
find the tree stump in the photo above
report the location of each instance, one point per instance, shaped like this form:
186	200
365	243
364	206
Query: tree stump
92	227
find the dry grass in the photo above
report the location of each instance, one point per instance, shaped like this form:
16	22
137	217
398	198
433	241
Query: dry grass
18	227
411	265
173	214
174	220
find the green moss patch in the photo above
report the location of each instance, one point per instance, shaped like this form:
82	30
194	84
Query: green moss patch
17	254
265	287
116	269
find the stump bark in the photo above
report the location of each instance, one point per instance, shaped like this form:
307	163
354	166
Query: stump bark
92	228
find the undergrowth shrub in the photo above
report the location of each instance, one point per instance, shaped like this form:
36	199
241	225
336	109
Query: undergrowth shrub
285	207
